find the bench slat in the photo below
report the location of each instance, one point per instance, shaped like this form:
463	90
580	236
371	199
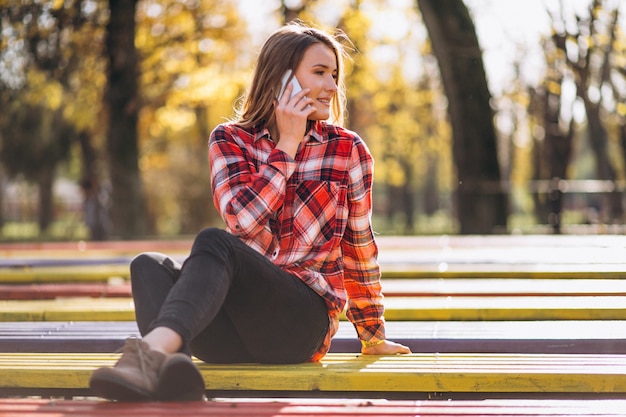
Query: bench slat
391	288
102	273
94	273
50	291
502	287
396	308
350	373
445	336
318	407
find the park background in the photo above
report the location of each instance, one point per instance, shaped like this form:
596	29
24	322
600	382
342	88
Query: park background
483	116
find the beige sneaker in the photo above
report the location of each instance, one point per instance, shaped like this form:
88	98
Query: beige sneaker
179	380
133	378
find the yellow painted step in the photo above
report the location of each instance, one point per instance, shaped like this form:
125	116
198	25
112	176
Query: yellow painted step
97	273
396	308
469	373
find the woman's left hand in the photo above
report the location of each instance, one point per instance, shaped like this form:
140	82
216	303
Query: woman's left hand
385	348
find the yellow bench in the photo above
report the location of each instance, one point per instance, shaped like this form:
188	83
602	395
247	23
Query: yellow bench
349	375
48	274
463	308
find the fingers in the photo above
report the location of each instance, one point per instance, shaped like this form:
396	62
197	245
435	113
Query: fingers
299	98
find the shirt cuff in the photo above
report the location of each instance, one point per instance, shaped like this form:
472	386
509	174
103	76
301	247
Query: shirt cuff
372	342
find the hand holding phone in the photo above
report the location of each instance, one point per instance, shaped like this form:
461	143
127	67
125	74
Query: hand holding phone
294	82
291	117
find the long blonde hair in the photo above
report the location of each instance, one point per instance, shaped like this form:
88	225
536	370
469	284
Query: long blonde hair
282	51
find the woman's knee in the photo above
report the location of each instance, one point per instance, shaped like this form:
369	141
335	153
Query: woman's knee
212	234
211	237
147	264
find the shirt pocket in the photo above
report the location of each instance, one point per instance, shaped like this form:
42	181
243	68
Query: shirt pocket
315	211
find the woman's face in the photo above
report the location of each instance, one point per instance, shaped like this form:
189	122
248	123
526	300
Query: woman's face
318	72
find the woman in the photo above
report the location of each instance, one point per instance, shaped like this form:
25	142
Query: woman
295	194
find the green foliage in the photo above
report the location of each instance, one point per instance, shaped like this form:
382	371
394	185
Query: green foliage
194	64
191	73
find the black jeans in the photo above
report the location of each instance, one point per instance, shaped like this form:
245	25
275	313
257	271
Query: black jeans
229	303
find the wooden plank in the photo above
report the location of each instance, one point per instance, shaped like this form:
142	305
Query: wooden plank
396	308
351	373
498	287
45	261
421	336
103	273
50	291
83	247
503	271
70	309
385	242
391	288
316	407
553	257
97	273
505	308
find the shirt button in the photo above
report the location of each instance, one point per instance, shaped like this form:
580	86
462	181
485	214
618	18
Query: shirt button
275	254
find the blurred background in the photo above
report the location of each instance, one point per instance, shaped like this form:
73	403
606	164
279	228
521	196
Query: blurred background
483	116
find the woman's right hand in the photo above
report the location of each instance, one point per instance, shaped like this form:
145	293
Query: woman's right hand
291	118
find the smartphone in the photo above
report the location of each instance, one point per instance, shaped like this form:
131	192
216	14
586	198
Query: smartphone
294	82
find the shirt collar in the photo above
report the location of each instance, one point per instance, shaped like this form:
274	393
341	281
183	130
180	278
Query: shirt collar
316	133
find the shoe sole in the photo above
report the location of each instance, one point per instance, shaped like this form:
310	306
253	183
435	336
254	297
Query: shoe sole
113	388
180	380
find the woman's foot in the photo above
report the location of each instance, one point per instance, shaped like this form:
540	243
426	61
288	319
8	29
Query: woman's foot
179	380
133	378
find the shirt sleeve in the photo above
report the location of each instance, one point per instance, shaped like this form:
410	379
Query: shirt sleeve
246	195
360	252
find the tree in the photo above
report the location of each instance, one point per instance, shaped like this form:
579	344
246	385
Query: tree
122	99
583	55
480	201
48	50
552	148
191	66
589	54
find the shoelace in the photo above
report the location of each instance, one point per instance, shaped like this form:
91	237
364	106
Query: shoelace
141	359
137	347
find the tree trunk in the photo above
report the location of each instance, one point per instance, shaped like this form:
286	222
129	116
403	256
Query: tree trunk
481	204
2	194
127	211
604	165
46	202
95	213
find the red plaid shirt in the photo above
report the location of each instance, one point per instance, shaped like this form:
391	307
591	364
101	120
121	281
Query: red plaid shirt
310	216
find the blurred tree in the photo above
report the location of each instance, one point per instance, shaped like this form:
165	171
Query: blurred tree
49	87
581	54
515	136
292	10
192	70
39	139
122	100
392	104
481	203
589	51
552	149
